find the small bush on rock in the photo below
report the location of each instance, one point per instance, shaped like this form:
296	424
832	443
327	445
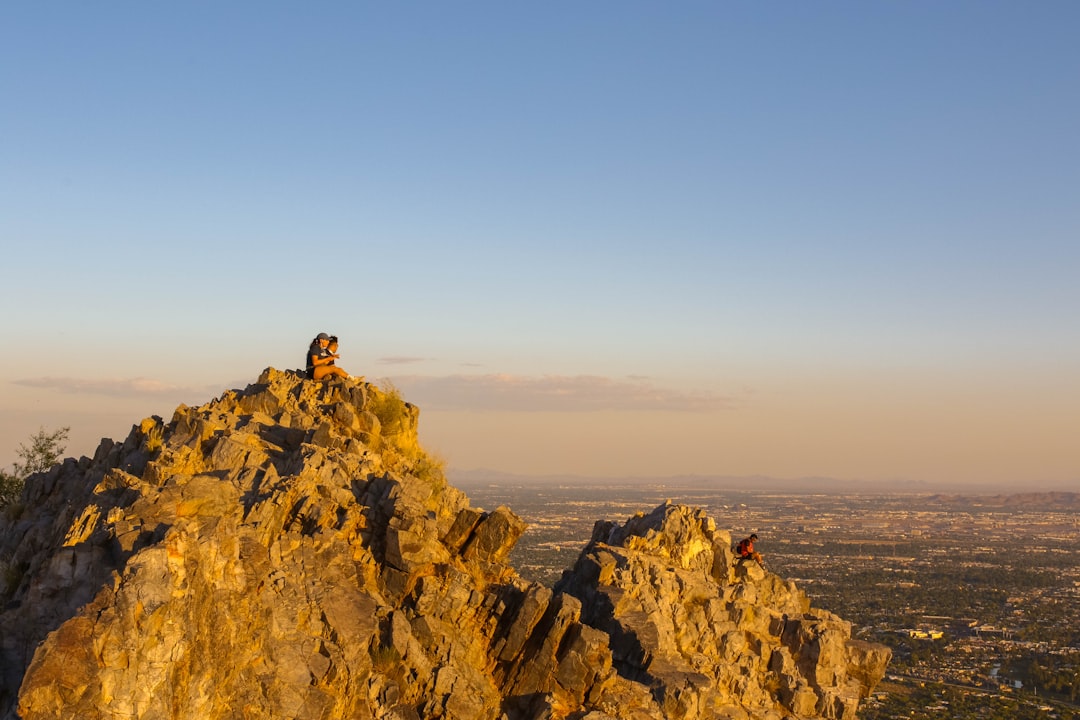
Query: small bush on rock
44	451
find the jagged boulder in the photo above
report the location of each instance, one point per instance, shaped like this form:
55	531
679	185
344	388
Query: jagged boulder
712	637
289	550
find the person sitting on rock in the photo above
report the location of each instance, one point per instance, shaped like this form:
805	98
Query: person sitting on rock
745	550
332	346
320	359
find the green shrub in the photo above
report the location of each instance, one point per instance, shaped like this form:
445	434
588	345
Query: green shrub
429	467
385	659
45	449
397	440
387	405
155	437
10	488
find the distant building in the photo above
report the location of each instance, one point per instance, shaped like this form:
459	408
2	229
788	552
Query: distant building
923	634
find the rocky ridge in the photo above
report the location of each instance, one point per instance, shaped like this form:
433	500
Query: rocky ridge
289	551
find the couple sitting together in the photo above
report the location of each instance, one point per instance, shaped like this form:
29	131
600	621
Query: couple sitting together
321	356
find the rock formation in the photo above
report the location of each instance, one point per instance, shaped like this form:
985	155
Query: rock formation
289	551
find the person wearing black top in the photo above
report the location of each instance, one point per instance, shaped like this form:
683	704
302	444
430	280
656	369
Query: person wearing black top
320	359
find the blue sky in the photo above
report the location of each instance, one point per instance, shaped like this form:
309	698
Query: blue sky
608	238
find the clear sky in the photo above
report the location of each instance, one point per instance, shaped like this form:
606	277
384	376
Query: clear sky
607	238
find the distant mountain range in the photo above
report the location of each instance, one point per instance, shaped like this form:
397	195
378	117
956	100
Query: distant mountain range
1034	501
945	491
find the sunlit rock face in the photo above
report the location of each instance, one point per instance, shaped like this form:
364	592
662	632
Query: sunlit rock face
712	636
289	551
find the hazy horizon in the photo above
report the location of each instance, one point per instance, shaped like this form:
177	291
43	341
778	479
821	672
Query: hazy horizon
479	477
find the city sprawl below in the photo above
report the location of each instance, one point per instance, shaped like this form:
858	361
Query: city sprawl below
979	596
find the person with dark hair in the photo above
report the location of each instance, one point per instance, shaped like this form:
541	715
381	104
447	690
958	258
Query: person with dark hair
332	346
745	550
320	359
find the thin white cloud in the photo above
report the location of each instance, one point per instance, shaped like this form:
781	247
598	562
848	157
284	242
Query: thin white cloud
122	387
551	393
401	360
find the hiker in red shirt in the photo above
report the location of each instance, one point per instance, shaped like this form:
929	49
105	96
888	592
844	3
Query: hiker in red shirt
745	550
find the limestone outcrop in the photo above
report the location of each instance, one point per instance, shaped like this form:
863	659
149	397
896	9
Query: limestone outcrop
289	551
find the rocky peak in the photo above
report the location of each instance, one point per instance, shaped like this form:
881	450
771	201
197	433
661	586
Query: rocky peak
712	636
289	550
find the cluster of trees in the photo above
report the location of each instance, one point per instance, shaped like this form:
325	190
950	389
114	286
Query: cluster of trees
932	701
1058	674
42	451
867	595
